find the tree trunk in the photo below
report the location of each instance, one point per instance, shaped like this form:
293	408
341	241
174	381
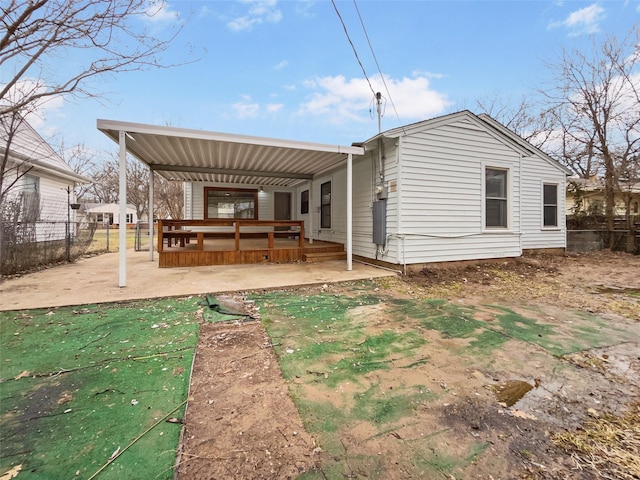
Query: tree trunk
609	194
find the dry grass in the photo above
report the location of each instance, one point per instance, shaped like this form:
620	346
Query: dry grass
609	446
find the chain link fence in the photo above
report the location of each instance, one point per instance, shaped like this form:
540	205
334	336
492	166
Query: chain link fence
25	246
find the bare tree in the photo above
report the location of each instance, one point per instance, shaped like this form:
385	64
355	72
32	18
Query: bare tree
168	195
104	188
597	105
109	37
83	162
138	186
530	122
168	198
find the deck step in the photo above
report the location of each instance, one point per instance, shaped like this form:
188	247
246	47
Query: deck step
324	257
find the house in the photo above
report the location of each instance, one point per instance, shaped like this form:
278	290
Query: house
108	214
587	195
457	187
37	185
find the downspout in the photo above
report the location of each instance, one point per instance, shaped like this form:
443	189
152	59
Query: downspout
520	204
401	245
122	221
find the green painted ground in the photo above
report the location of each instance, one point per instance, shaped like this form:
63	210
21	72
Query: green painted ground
346	373
80	383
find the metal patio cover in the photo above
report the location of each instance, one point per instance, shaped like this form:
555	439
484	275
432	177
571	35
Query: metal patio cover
201	156
196	155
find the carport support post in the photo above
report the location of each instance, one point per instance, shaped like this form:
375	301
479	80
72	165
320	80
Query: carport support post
349	212
122	221
151	179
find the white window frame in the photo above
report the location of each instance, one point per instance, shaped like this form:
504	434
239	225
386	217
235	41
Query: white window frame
543	184
509	198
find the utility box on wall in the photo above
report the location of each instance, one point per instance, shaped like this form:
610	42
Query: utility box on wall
380	222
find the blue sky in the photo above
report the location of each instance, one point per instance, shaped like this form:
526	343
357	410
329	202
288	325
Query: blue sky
285	69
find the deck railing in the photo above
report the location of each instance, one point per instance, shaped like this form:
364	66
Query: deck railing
182	231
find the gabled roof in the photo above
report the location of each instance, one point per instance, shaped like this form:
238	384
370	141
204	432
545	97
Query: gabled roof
197	155
482	121
28	147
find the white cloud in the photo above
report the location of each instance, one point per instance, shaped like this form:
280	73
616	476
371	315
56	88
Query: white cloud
351	100
246	108
585	20
274	107
304	8
281	65
260	11
160	12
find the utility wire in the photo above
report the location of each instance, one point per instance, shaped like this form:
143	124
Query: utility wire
375	59
353	46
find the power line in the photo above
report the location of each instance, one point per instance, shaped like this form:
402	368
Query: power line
375	59
353	46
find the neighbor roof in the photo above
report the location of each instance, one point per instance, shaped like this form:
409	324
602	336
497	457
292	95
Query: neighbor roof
197	155
29	148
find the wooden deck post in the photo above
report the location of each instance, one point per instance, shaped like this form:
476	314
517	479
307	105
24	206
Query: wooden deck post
160	236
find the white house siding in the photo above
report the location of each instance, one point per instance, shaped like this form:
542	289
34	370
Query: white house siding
188	200
391	169
53	208
362	234
535	173
363	197
112	209
442	187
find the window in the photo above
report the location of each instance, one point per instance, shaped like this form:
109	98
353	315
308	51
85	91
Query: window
635	207
304	202
325	205
129	217
223	203
550	201
31	198
495	198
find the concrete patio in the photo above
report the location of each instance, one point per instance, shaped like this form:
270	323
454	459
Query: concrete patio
95	280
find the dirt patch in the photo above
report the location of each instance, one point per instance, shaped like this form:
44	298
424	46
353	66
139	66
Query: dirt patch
400	378
241	422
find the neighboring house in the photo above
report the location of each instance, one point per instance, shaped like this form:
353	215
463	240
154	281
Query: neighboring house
108	214
42	184
457	187
588	194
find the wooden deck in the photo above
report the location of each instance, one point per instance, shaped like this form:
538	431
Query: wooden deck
193	243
